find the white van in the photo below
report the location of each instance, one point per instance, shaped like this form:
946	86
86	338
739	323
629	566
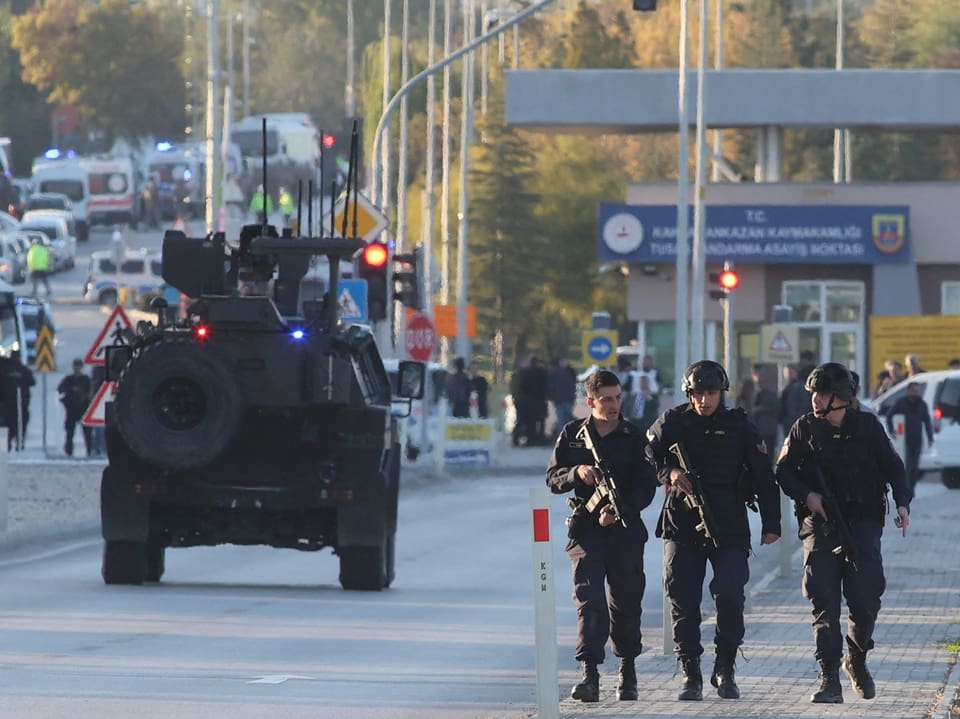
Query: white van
291	137
102	188
69	178
411	428
55	224
941	392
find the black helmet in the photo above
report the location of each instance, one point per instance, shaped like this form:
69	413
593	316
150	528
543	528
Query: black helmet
703	376
831	378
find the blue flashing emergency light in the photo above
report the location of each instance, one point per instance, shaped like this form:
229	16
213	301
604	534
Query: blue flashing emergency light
164	146
52	154
297	334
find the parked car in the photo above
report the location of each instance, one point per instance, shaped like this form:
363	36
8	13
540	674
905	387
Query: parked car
49	201
55	224
13	258
941	392
35	314
138	271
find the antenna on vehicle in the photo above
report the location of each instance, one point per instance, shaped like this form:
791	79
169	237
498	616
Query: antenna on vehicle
263	209
320	186
310	209
354	171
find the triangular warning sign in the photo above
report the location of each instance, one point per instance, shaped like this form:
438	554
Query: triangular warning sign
780	343
96	354
96	414
349	309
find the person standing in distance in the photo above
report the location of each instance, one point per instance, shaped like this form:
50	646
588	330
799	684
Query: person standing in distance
856	462
601	550
916	419
725	449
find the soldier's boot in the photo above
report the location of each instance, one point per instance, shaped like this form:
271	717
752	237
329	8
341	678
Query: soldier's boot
691	686
855	667
627	681
723	673
588	690
830	691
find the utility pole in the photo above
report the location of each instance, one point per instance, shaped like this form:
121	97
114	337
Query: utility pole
841	137
699	261
683	170
350	92
466	139
385	147
246	58
429	182
213	125
445	151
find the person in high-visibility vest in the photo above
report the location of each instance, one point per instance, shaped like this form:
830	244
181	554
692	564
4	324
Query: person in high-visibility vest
285	200
259	201
38	263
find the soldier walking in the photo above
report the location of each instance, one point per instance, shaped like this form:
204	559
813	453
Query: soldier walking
603	552
836	464
728	468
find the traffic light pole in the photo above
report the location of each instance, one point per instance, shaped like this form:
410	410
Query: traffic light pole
729	361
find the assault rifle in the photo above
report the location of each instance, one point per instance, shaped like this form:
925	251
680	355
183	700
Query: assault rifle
846	547
606	492
697	500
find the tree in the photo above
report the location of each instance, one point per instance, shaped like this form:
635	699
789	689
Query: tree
508	252
24	115
117	63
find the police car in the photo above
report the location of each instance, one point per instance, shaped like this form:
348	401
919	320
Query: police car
941	392
411	429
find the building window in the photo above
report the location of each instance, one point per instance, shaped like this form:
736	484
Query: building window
950	298
825	302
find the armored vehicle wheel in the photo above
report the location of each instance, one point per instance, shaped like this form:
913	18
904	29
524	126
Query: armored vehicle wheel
156	554
176	405
124	562
950	478
367	569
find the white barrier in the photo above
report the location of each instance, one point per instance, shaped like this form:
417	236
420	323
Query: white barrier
899	435
465	442
544	606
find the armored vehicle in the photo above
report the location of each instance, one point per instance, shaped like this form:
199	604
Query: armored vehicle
258	418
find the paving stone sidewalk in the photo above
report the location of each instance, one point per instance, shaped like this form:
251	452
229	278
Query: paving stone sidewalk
914	663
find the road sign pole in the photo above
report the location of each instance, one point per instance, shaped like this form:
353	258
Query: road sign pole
729	360
43	405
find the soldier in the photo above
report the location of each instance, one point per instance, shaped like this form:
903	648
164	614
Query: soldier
839	456
730	465
600	548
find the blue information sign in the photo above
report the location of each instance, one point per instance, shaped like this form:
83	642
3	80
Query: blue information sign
599	348
808	234
353	300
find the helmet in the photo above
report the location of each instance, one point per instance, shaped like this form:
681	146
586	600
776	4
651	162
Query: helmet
705	375
831	378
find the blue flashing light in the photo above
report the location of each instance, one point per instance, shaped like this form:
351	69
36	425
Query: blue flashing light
187	175
52	154
164	146
297	334
71	154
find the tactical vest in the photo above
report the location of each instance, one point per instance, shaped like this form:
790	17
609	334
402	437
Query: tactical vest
715	444
847	459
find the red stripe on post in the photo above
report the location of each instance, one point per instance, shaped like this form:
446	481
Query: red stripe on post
541	525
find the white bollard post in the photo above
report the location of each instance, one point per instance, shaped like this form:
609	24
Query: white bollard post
667	617
544	607
788	537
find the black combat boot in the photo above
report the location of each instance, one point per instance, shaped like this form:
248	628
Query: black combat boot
627	681
830	691
691	688
723	673
588	690
855	667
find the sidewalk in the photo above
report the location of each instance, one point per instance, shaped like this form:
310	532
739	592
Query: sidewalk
914	662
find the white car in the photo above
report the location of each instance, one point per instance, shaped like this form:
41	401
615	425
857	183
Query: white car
55	224
941	392
411	428
138	271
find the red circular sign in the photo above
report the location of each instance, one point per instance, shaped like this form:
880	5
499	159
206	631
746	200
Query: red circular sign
420	338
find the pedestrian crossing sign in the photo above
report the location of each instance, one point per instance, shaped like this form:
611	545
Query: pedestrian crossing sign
352	300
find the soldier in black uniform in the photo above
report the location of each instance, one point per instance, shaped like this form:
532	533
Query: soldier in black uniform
600	548
732	468
856	462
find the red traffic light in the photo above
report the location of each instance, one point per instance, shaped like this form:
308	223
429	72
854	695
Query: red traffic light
375	254
328	140
729	280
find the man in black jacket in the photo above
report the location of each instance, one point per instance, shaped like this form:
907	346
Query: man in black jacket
916	419
729	467
836	464
75	392
601	549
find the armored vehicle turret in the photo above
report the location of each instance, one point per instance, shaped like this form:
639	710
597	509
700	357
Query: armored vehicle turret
257	418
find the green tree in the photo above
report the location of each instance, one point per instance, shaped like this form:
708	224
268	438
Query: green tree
24	115
507	248
117	63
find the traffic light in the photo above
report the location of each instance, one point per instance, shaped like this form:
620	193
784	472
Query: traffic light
373	269
645	5
406	278
727	280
